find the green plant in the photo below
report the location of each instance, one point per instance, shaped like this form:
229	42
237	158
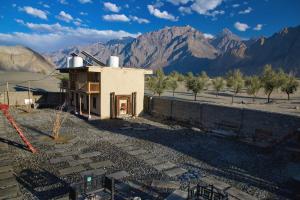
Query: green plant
271	80
253	85
290	85
196	84
157	83
172	84
235	81
218	84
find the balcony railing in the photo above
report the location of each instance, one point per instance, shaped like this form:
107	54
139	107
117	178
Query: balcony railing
89	87
93	87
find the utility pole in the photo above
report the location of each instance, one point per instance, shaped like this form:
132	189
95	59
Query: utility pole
7	93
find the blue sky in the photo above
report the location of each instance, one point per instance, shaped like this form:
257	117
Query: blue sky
51	25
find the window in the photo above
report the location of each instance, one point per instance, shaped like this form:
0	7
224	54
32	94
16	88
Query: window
94	102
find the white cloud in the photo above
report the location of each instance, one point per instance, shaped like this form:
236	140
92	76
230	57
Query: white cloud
246	11
235	5
139	20
77	22
203	7
20	21
111	7
83	13
241	26
34	12
85	1
64	16
177	2
185	10
258	27
161	14
215	13
52	37
208	35
14	5
116	17
52	28
63	2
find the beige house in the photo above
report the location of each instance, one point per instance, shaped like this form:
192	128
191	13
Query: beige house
107	92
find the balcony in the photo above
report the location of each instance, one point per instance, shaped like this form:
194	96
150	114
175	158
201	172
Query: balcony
93	87
88	87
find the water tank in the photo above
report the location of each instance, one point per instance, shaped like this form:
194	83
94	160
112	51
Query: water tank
77	61
69	62
113	61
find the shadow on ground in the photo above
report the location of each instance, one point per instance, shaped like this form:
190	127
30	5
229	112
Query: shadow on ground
13	143
229	158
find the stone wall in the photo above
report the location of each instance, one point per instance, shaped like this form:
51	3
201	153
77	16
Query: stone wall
210	116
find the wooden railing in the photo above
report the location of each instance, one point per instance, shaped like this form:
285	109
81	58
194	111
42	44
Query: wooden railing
93	87
89	87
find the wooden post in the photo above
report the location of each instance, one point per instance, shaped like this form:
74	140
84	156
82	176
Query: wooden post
80	112
75	102
29	105
7	93
89	106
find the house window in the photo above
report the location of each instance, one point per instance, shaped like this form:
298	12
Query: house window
94	102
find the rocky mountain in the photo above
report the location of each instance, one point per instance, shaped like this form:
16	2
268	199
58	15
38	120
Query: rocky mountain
187	49
18	58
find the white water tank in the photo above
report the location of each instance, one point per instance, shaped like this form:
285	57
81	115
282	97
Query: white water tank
69	62
77	61
113	61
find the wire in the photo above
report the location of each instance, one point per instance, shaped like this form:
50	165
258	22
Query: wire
32	80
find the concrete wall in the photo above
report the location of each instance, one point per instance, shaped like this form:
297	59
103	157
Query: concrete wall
45	99
122	81
209	116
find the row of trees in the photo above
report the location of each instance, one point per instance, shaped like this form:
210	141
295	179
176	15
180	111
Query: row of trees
270	80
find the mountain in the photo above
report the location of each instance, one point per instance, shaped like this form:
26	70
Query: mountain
187	49
18	58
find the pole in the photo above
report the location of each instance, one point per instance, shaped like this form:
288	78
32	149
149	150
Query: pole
7	93
89	105
29	105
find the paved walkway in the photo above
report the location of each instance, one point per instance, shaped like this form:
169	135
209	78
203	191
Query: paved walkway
9	187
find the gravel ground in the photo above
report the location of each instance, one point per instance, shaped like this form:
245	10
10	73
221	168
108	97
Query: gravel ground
201	154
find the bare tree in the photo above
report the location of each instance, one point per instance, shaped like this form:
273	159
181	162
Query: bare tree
59	118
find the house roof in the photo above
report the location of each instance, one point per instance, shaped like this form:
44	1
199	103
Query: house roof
102	68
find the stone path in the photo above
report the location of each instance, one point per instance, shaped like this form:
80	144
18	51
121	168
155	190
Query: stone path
177	195
165	184
119	175
71	170
9	187
101	164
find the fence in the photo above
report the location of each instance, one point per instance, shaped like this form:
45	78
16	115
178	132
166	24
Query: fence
247	123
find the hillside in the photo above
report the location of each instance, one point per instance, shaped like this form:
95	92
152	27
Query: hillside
187	49
23	59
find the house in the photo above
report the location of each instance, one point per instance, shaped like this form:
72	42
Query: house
105	91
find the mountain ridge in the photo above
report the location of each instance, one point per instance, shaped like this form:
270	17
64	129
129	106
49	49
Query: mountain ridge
184	48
